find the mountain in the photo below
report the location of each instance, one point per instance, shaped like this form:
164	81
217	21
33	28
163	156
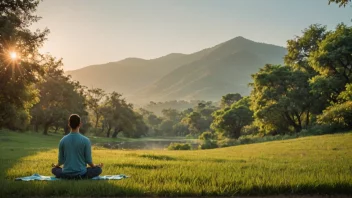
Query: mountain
206	75
131	74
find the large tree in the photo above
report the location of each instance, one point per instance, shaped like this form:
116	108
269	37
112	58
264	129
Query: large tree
300	48
281	97
151	120
334	55
59	97
231	120
119	116
228	99
94	100
19	61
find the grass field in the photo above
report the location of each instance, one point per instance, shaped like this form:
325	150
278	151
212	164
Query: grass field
310	165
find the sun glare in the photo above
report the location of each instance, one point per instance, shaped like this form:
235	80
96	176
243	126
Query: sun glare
13	55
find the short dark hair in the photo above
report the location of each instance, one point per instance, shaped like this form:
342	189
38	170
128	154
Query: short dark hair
74	121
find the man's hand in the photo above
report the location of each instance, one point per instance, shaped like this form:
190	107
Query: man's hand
55	165
96	165
100	165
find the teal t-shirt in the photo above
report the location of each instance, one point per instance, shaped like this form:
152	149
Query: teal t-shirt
75	153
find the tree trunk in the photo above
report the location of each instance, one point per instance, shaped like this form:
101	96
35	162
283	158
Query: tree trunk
236	133
307	119
299	125
36	127
46	128
116	132
291	121
108	133
102	128
298	128
96	121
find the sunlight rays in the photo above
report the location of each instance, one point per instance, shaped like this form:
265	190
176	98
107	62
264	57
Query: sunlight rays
11	60
13	56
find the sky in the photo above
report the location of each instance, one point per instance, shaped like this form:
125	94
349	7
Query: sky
88	32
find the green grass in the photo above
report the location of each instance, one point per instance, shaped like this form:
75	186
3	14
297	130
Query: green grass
309	165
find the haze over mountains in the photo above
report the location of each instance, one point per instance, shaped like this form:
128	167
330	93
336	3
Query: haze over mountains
205	75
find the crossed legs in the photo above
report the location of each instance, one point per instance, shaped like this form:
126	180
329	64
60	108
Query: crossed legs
91	172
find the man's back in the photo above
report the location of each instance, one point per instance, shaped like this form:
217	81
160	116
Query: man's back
75	153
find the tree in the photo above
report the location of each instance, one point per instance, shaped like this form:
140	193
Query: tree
150	119
94	99
231	120
229	99
340	2
281	97
119	115
107	120
171	114
59	97
180	129
300	48
333	58
339	114
195	122
19	73
325	56
166	127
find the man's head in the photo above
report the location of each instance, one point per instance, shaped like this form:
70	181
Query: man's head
74	121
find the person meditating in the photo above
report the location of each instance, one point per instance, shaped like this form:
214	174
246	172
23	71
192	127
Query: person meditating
75	153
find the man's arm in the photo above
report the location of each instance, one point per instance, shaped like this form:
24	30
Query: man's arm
61	157
88	156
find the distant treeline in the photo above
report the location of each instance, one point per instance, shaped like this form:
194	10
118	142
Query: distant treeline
312	90
180	105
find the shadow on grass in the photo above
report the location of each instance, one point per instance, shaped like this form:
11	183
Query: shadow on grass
158	157
14	146
137	166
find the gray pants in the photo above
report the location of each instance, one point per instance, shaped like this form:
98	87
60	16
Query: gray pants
91	172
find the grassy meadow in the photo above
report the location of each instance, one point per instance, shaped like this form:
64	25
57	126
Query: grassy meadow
309	165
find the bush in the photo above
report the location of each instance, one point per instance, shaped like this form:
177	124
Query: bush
258	138
228	142
208	144
179	146
339	115
250	129
190	136
246	140
319	130
206	136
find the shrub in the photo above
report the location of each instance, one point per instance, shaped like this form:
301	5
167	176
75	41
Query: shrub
208	144
227	142
318	130
246	140
250	129
206	136
179	146
339	115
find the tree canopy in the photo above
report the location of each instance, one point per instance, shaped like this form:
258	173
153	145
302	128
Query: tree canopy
19	62
340	2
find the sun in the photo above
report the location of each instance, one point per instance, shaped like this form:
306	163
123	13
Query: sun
13	55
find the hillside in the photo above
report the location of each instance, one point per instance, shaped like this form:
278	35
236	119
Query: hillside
205	75
310	165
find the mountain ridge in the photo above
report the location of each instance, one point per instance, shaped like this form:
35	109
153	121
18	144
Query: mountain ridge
206	74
